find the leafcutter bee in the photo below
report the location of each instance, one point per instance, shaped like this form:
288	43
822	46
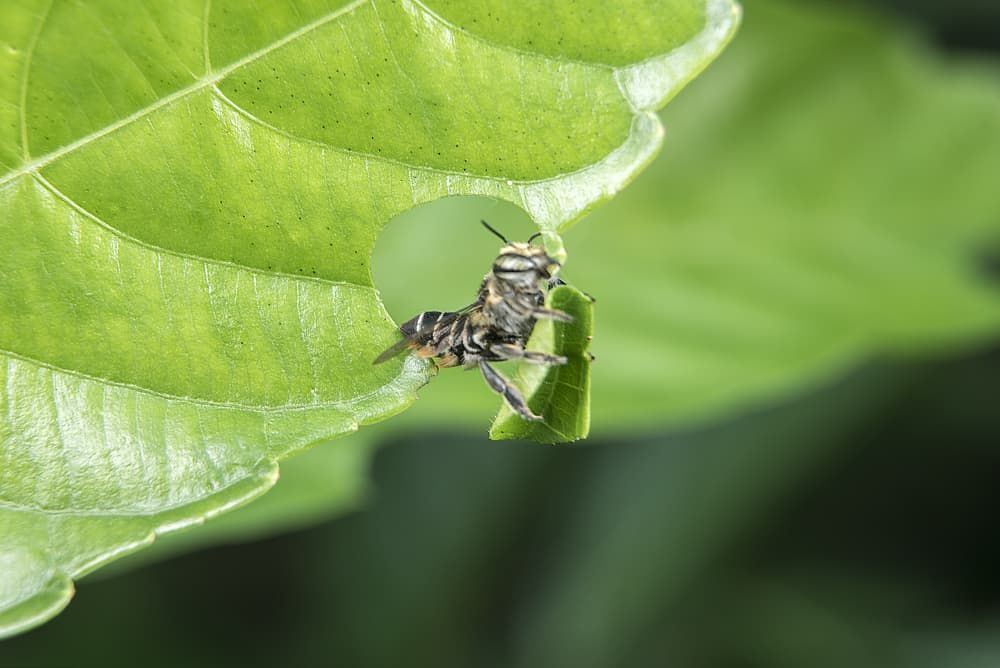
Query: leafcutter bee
497	325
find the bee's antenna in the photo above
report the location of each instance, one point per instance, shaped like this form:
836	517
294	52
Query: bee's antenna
491	229
534	236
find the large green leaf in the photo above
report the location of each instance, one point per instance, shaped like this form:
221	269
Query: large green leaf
837	211
189	196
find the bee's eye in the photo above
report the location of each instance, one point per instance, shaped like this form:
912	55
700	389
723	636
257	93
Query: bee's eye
510	262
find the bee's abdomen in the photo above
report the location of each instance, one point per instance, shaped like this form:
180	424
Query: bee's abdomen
421	328
433	334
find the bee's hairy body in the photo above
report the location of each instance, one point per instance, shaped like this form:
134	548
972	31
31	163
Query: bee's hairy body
462	338
496	326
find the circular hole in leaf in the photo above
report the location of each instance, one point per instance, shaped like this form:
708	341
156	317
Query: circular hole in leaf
434	256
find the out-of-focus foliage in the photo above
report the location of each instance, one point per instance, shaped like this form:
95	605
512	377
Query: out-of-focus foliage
965	25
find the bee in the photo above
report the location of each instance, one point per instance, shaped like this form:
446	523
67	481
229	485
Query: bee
496	326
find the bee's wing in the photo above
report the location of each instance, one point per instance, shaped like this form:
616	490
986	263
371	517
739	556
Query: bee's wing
417	331
393	350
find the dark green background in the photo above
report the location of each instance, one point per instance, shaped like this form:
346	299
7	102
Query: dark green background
726	545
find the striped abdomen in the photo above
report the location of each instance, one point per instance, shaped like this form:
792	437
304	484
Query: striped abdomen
452	337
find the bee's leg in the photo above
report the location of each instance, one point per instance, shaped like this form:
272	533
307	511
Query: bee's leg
511	394
512	352
551	314
556	282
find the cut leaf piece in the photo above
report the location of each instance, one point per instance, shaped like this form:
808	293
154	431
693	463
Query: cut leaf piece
559	393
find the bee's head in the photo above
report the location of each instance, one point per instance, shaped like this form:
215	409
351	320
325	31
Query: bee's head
522	261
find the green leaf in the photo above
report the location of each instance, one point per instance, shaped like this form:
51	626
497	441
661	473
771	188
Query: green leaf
560	394
190	196
327	480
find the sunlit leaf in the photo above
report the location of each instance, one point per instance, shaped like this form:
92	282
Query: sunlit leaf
190	193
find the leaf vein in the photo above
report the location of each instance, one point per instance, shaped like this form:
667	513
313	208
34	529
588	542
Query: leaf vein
114	38
54	190
412	167
278	350
25	76
399	68
419	5
206	54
